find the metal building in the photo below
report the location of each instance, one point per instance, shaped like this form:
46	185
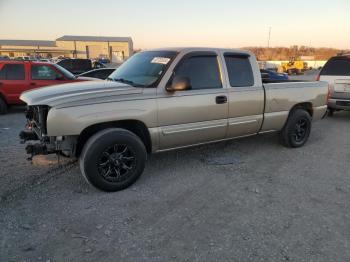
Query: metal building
117	49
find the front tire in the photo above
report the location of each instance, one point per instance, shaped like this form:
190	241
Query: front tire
297	129
113	159
3	106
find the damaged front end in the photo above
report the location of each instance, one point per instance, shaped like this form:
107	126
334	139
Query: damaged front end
36	134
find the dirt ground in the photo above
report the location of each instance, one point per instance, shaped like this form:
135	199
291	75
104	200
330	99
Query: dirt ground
243	200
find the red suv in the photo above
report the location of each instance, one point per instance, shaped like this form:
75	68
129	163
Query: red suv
19	76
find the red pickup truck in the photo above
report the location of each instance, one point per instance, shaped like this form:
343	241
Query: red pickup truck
19	76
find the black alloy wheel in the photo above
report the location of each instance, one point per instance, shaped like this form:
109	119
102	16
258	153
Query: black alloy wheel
113	159
301	128
116	163
297	130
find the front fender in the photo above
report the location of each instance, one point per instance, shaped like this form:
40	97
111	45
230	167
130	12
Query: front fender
73	120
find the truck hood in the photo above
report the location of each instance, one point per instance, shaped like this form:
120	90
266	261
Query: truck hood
79	93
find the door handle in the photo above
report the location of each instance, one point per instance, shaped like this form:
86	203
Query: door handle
32	84
221	99
0	84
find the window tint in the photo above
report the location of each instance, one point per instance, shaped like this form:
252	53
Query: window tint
203	72
239	70
43	72
12	72
337	67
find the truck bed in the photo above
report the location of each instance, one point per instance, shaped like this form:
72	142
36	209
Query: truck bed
279	102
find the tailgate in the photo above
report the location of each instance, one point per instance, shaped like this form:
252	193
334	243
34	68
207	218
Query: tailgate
341	89
342	85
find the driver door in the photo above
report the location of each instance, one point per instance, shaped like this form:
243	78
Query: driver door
199	114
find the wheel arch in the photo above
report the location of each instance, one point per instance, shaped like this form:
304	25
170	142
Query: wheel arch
307	106
135	126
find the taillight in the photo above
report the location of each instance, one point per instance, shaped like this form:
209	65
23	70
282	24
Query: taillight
318	77
329	94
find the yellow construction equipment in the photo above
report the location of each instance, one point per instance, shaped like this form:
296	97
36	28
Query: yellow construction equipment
294	66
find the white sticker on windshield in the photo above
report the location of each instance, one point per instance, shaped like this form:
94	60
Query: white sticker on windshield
160	60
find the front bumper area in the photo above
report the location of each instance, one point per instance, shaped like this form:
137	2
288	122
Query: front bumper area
339	104
26	135
36	149
43	146
35	133
64	145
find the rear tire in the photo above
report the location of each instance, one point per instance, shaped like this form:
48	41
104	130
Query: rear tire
3	106
297	129
113	159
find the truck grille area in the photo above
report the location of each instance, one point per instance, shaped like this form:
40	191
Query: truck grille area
36	117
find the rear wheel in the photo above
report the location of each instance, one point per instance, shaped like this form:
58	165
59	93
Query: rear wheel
113	159
3	106
297	129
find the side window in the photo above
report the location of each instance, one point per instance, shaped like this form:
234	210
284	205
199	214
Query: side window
239	70
12	72
202	71
337	67
43	72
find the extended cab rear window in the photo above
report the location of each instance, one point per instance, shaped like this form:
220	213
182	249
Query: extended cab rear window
337	67
12	72
239	70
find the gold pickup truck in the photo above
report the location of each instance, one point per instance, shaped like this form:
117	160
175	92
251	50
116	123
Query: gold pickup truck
162	100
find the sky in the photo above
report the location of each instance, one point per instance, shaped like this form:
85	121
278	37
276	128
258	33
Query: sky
165	23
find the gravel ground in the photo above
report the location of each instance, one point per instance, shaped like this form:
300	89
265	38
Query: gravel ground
244	200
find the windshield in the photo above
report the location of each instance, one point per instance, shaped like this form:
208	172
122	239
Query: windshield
65	72
143	69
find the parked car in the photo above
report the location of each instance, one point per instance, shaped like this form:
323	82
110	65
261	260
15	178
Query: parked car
271	76
103	60
4	58
79	66
19	76
23	58
165	99
337	73
101	73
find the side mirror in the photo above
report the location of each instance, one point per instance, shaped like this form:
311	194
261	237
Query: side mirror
179	83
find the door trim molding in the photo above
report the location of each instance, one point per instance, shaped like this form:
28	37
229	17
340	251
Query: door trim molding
181	128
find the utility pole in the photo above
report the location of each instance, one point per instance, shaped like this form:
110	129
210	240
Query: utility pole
268	41
268	44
